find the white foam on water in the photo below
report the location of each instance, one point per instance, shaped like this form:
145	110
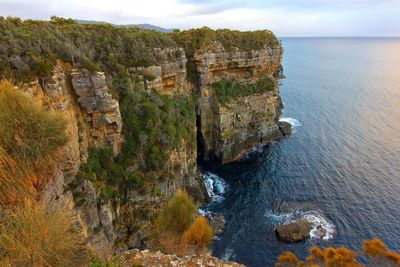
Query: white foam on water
319	222
256	149
322	228
228	254
295	123
215	186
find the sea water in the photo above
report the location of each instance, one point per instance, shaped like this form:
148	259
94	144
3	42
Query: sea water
340	169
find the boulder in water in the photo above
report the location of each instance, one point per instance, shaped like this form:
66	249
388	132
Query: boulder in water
217	223
294	231
285	127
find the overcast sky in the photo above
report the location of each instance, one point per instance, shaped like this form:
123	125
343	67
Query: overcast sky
284	17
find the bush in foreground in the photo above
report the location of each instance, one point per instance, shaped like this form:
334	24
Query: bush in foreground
177	230
376	251
30	137
27	131
198	237
32	235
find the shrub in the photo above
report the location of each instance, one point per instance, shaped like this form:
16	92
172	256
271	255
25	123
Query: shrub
287	259
198	237
27	132
114	262
30	137
174	218
177	215
15	182
374	249
229	90
35	236
379	254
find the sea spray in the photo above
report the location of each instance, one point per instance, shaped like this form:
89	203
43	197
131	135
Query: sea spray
215	186
295	123
322	228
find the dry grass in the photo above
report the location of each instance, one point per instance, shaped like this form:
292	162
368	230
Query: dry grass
27	131
30	138
32	235
15	182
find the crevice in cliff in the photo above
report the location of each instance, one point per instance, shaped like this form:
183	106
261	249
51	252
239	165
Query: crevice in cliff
199	139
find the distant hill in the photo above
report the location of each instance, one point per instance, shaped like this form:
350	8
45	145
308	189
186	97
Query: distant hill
143	25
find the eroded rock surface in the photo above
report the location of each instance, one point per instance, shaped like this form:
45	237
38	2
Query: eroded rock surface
229	130
158	259
101	110
294	231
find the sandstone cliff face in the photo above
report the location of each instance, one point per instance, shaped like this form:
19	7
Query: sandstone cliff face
94	121
101	111
169	77
229	130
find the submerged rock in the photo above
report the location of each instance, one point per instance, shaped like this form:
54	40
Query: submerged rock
285	127
295	231
217	223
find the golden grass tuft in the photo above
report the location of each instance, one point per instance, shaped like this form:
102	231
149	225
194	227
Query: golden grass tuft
28	132
33	235
30	139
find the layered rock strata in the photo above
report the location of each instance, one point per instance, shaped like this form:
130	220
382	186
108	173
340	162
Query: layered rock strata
94	121
229	130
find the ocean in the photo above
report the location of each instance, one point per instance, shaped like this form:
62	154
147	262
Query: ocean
341	166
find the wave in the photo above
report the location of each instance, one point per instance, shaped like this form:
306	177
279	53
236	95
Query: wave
322	228
258	149
295	123
215	186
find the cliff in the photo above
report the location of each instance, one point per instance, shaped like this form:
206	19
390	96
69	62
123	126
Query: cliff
230	129
141	108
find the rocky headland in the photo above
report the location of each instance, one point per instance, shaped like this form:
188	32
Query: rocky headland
147	119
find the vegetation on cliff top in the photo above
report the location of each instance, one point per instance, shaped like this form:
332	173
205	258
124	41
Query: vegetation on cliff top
30	48
228	90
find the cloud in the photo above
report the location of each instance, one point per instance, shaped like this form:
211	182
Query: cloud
284	17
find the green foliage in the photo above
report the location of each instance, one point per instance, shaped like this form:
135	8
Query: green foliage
29	48
178	229
229	90
154	125
194	39
114	262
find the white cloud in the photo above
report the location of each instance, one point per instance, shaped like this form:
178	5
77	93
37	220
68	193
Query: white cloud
285	17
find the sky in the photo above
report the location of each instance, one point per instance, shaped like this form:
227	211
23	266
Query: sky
284	17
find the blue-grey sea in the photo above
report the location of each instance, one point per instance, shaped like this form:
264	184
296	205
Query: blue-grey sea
340	169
